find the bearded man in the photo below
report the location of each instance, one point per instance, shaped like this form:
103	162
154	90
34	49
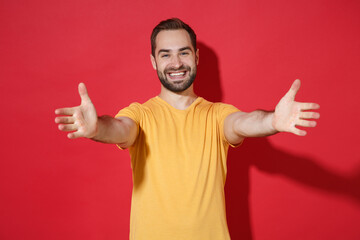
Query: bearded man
178	142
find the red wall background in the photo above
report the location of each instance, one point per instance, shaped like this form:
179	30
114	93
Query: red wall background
281	187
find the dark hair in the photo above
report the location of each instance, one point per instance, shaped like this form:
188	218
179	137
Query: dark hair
171	24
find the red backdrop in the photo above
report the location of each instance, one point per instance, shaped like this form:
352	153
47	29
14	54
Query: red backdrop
281	187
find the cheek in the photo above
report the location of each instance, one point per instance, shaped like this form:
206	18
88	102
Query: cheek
161	63
164	65
162	68
190	63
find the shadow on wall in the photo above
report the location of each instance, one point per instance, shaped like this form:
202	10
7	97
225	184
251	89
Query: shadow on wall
259	153
270	160
207	83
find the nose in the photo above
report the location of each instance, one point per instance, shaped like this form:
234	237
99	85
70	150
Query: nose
176	61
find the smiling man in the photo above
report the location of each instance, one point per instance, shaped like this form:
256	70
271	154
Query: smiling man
178	142
176	61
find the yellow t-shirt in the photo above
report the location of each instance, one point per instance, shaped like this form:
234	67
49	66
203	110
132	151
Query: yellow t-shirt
179	171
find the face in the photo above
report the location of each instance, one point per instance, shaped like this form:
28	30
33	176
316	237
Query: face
175	60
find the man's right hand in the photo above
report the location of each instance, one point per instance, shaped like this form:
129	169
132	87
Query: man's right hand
81	121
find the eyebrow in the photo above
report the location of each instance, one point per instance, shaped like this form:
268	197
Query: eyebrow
168	50
184	48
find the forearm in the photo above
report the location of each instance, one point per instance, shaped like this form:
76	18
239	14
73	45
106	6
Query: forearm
288	115
115	130
254	124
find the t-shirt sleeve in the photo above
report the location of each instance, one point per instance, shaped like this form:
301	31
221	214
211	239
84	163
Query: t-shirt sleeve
133	111
225	110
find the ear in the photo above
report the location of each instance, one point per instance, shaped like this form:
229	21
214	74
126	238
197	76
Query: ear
153	62
197	57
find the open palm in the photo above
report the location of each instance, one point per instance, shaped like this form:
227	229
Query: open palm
81	120
289	114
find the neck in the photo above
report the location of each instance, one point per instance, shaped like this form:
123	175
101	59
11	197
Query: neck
179	100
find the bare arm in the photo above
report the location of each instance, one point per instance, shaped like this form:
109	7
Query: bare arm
122	131
287	115
82	121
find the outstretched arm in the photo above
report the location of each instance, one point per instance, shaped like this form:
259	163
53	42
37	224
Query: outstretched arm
82	121
287	116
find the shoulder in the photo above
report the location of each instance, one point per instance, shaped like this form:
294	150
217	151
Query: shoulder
151	103
141	106
135	110
222	108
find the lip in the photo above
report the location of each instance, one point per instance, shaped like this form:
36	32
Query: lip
175	77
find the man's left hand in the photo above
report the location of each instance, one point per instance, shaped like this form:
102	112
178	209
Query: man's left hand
289	114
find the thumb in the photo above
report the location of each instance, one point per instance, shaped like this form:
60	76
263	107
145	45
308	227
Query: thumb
83	93
293	89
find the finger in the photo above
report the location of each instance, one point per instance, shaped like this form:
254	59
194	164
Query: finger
66	120
305	123
309	106
67	127
309	115
74	135
83	93
65	111
293	89
299	132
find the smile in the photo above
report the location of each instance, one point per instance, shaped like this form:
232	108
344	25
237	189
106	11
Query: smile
177	74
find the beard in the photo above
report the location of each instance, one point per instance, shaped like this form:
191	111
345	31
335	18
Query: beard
177	86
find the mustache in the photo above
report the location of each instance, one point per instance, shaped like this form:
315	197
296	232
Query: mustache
172	69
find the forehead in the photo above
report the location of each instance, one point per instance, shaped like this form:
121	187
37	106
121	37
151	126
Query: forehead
173	39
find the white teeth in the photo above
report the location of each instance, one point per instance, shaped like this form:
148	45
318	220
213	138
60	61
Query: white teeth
177	74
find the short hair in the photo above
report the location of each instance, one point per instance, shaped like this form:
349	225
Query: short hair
171	24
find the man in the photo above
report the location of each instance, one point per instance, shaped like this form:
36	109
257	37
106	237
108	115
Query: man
178	142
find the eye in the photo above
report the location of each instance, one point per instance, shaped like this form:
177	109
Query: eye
184	53
165	56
